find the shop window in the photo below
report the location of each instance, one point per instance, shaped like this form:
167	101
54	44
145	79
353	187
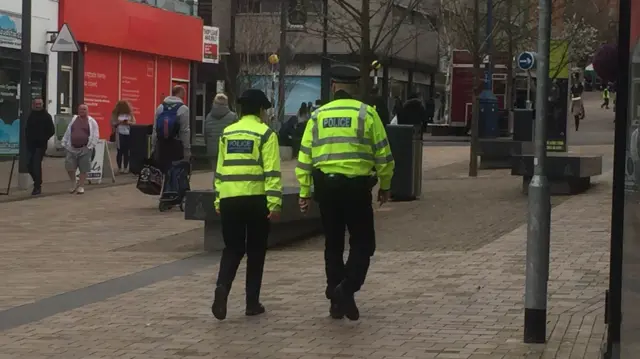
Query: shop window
65	90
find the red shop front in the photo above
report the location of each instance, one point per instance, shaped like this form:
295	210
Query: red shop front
131	52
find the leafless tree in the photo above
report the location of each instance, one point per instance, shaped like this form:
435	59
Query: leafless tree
253	52
372	28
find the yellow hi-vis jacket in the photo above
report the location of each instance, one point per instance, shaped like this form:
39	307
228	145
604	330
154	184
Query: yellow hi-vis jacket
249	163
605	94
344	137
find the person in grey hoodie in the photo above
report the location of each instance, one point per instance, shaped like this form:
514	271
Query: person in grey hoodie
219	118
170	150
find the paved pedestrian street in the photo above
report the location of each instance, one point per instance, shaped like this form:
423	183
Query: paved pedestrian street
105	275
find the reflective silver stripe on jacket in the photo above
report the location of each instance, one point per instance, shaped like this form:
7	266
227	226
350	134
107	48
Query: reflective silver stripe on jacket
380	145
305	166
305	150
273	193
383	160
343	156
249	177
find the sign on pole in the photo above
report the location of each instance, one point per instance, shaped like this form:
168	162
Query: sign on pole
210	44
65	41
526	60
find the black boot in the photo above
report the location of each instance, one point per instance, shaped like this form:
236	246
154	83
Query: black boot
335	311
219	307
254	309
346	302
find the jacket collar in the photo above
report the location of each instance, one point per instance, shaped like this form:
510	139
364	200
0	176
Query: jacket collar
251	118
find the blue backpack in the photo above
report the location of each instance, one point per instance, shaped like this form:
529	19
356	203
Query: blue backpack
167	125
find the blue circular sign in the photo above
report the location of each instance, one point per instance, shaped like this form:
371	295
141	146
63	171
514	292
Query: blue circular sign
526	60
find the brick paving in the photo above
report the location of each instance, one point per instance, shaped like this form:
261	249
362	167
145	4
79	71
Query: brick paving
447	287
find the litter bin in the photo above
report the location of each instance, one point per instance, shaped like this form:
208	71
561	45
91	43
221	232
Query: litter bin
140	146
523	125
406	145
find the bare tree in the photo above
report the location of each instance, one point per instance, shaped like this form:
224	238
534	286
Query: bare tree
372	29
253	52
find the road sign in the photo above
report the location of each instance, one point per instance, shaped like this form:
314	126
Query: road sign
526	60
65	42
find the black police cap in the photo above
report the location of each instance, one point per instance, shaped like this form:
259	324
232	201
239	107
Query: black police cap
345	73
255	96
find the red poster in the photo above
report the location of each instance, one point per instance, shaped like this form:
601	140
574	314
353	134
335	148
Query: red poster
185	86
137	80
101	85
163	84
180	70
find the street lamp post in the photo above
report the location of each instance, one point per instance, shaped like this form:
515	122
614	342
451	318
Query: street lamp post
25	93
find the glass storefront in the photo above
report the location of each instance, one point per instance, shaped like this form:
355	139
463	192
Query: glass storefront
9	95
630	326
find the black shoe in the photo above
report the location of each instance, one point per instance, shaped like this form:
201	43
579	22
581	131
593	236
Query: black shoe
335	311
254	309
219	307
36	191
347	303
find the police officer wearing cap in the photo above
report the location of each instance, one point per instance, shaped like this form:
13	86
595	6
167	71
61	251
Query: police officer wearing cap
248	195
344	141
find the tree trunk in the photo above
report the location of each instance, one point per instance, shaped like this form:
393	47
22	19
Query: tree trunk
511	49
365	51
473	149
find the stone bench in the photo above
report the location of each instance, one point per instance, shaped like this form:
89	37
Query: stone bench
496	153
292	225
567	174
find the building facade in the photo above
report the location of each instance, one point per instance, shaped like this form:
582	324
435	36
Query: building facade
251	29
129	51
44	65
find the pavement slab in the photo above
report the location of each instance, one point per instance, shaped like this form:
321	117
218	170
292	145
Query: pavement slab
446	282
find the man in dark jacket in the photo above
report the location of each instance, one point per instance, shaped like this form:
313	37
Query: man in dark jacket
217	120
413	113
381	106
38	131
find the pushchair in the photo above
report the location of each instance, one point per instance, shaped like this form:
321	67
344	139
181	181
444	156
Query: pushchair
177	181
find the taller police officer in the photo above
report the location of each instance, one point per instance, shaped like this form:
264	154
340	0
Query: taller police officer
342	143
248	196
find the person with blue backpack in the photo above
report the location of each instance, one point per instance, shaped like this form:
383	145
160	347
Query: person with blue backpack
171	139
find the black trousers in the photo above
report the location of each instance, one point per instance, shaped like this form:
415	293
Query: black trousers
245	229
345	203
34	164
124	151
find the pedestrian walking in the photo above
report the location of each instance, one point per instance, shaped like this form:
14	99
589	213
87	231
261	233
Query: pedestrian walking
38	131
379	103
577	106
79	140
605	98
248	196
413	113
217	120
121	119
344	142
171	139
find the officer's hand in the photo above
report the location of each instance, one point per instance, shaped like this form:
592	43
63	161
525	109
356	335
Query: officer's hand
217	210
384	196
274	215
304	204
